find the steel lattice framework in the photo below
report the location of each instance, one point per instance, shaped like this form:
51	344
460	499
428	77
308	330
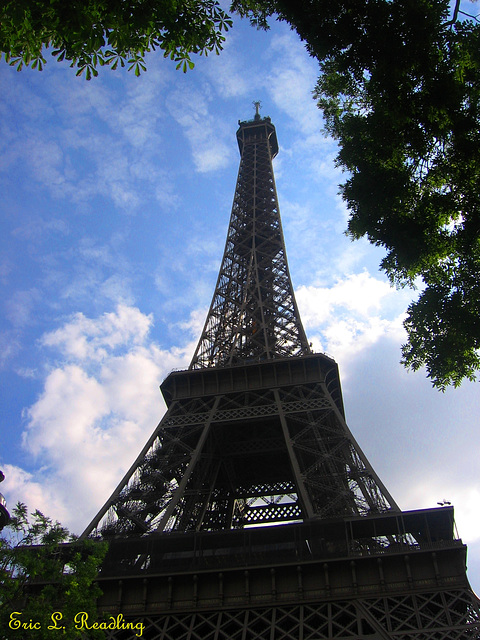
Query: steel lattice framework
255	435
446	615
262	455
253	312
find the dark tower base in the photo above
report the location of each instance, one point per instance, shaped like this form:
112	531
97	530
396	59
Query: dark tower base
241	444
314	581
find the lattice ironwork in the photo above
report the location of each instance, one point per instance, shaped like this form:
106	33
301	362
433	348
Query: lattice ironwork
242	458
437	615
253	314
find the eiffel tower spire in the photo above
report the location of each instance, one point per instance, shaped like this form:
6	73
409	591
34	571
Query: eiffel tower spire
255	434
253	314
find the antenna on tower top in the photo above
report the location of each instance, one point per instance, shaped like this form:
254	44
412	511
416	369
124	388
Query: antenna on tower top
257	104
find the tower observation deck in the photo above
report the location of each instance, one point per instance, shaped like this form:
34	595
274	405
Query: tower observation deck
255	436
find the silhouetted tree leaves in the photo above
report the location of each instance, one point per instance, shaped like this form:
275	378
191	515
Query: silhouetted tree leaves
93	33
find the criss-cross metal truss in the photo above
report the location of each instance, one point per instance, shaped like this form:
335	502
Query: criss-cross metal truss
247	452
431	615
253	314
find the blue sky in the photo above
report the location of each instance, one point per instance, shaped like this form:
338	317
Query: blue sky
116	196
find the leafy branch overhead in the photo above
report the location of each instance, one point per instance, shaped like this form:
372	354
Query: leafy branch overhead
399	87
94	33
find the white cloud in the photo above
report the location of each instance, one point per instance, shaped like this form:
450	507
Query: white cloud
25	487
352	315
349	336
227	74
87	339
203	131
99	135
292	82
61	418
130	107
358	293
9	346
196	322
97	409
91	271
46	158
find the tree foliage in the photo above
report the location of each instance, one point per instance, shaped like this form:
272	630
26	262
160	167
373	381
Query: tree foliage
94	33
44	570
399	87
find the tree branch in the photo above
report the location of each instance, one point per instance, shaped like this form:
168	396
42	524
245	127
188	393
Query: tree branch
455	14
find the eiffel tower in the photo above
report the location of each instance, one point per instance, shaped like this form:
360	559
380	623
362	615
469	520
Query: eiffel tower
252	513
